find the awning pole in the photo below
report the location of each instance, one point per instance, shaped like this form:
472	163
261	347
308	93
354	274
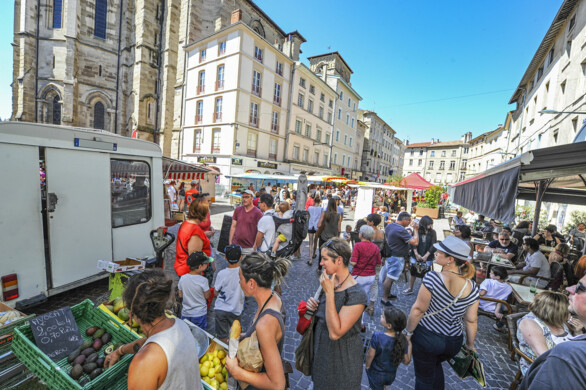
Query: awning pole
542	186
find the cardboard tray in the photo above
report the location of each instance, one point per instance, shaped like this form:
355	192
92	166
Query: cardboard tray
130	264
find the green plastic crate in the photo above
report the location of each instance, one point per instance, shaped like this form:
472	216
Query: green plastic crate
56	374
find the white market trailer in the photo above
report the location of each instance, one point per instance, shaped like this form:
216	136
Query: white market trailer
101	197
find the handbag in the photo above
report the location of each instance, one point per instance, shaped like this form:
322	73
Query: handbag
386	251
419	269
466	363
304	351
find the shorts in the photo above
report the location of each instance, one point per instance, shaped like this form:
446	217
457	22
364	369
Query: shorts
181	197
311	230
224	322
394	266
201	321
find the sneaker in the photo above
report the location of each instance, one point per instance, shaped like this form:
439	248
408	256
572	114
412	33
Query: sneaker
386	303
391	296
501	328
407	292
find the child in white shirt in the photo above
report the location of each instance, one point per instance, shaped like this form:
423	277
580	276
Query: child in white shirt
497	288
195	290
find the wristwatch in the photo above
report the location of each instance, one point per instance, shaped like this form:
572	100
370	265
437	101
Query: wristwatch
407	333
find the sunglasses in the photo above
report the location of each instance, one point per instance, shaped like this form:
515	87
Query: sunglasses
504	239
329	246
580	288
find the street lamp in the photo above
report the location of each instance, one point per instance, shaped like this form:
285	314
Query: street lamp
554	112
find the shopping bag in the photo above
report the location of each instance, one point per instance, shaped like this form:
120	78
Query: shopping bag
466	363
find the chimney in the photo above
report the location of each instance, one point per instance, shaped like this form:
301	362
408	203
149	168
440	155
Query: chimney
432	141
236	16
406	142
324	72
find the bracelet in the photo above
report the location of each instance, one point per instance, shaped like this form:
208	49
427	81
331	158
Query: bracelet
407	333
119	350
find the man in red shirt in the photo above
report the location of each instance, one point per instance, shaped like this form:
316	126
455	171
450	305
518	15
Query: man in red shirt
310	202
244	223
190	194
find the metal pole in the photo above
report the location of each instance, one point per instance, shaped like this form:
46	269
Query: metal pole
521	122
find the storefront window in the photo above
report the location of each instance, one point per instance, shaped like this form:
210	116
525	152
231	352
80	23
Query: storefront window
130	192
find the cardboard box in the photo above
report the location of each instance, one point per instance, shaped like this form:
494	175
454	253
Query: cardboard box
130	264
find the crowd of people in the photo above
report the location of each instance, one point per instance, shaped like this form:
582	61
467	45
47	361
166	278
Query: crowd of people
353	265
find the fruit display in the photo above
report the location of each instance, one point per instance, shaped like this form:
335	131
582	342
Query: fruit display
86	362
119	309
212	367
6	317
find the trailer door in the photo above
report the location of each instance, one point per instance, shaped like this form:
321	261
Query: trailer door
80	224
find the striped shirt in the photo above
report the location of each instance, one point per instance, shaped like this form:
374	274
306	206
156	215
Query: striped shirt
448	322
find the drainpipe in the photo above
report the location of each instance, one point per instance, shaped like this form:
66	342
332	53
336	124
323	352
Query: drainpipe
37	61
159	71
185	58
521	122
290	106
118	68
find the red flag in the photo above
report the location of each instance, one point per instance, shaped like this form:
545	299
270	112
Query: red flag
134	133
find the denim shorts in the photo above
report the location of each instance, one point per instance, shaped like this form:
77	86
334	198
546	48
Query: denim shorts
201	321
394	267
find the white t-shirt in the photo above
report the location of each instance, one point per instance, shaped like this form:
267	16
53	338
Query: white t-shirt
266	225
171	192
193	288
230	296
314	216
470	217
538	260
494	289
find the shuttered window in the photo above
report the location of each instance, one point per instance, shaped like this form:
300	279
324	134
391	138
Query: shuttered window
100	18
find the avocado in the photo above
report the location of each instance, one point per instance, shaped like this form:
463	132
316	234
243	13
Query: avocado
84	381
91	330
118	304
88	351
99	333
76	371
124	314
95	373
89	367
86	344
106	337
92	358
97	344
100	362
79	359
109	349
73	355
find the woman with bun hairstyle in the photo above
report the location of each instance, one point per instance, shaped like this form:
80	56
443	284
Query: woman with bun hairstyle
258	272
166	357
191	237
337	361
447	304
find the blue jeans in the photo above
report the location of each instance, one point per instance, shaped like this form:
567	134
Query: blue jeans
202	321
430	349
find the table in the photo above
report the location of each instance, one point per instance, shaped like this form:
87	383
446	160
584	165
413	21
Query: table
479	244
523	294
493	261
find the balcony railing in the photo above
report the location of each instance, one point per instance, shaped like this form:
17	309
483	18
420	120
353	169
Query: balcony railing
198	118
201	89
253	120
219	85
277	100
251	152
273	156
217	116
256	90
275	128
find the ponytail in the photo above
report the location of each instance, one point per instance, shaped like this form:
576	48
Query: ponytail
467	270
264	270
398	321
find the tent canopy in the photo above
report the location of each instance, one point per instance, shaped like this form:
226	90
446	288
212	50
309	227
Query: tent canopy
554	174
416	182
181	170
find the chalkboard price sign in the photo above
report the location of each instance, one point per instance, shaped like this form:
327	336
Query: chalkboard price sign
56	333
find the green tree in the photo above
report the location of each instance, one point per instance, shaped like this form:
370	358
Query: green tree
527	213
395	179
576	217
432	197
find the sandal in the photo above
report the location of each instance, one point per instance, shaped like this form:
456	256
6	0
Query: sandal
309	262
407	291
369	310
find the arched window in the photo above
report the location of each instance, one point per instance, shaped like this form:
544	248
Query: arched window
56	110
99	116
100	18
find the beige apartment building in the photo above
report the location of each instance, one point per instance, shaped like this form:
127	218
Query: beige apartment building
554	80
440	163
309	130
381	154
237	100
336	72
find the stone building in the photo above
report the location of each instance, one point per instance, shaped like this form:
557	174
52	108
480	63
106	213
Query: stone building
117	65
381	154
346	154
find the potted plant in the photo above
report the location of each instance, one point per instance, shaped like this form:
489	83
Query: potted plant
430	206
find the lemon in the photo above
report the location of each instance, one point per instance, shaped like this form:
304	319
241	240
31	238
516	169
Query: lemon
216	361
211	372
224	386
203	358
207	363
221	354
204	371
215	353
224	361
214	383
207	380
219	377
224	372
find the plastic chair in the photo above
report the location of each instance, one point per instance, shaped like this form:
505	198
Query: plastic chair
517	354
510	309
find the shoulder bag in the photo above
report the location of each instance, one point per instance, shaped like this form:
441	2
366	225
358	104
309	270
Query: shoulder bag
386	251
304	351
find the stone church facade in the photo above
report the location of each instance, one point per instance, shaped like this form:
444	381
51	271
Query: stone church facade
115	65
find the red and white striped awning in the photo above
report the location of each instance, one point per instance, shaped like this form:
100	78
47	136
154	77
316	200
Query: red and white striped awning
181	170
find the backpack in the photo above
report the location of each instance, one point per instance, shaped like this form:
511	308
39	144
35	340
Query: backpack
300	223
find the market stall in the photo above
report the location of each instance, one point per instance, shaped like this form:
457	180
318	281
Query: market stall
366	193
186	172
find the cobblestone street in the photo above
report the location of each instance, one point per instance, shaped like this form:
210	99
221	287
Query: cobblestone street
301	283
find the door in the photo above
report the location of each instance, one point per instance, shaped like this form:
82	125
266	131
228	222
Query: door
80	223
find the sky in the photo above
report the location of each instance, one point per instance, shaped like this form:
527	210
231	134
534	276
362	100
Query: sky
430	69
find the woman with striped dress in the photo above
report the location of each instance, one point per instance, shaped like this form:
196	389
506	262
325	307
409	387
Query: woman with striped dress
447	304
